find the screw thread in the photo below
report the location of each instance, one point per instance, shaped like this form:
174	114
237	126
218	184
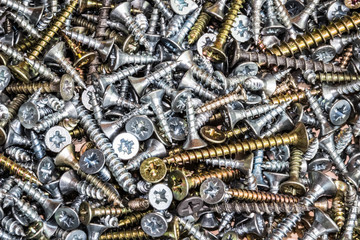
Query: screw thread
112	211
338	208
285	87
261	207
97	111
12	226
317	36
351	221
49	121
5	236
256	19
203	118
11	52
224	174
295	97
132	219
254	111
347	57
200	25
164	9
332	77
203	92
36	194
134	163
220	101
285	226
153	21
296	157
272	114
84	188
344	140
136	31
139	204
27	210
158	111
225	163
44	22
49	34
15	6
284	17
138	59
275	166
312	149
205	78
161	72
236	132
138	111
83	22
30	88
186	27
24	24
175	25
43	70
19	154
270	60
86	40
15	169
57	105
125	235
356	128
194	156
116	167
258	196
315	107
228	22
122	74
143	186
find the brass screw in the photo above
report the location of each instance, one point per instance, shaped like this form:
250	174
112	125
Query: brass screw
236	132
215	53
294	97
259	196
180	184
25	44
293	186
36	231
125	235
17	170
223	100
200	24
132	219
317	36
13	108
297	137
30	88
77	133
82	58
86	213
347	57
22	70
83	22
286	86
153	170
338	208
336	77
90	4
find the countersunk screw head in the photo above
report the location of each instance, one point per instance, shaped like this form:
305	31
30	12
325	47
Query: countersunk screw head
45	169
178	128
230	235
5	76
179	185
183	7
28	115
67	87
154	224
212	191
126	146
189	206
92	161
160	196
76	235
56	138
85	213
140	126
67	218
340	112
153	170
212	134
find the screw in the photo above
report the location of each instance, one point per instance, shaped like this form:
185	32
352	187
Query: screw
200	25
284	17
24	24
124	235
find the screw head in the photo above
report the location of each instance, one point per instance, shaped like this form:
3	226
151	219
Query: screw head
189	206
246	69
240	30
92	161
67	218
320	164
126	146
85	213
205	40
86	96
214	54
45	170
76	234
154	224
5	76
153	170
56	138
140	126
160	196
212	134
67	87
183	7
178	128
28	115
178	184
324	53
230	235
212	191
340	112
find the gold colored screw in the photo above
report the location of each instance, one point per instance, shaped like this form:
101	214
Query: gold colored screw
77	133
338	208
258	196
83	22
30	88
236	132
86	212
215	53
297	137
17	170
22	70
223	100
180	184
132	219
36	231
90	4
13	108
347	57
82	58
125	235
336	77
138	204
200	24
294	97
317	36
293	186
285	86
25	44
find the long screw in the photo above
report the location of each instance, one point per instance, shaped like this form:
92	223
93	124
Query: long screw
200	25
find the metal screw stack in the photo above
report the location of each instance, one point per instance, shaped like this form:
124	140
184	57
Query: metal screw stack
179	119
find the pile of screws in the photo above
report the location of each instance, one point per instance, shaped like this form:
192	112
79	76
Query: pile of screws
179	119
